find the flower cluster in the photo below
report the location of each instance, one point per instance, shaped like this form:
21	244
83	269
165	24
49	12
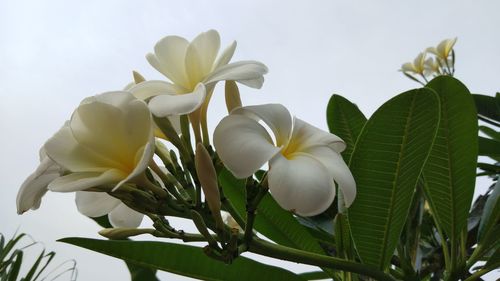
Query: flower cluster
105	151
440	62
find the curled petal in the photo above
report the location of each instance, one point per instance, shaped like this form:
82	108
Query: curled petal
306	135
153	88
276	116
243	70
338	170
169	57
166	105
85	180
95	204
35	186
302	185
123	216
142	159
243	145
225	56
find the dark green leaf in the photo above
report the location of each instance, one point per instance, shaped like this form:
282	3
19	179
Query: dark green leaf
183	260
34	267
493	169
272	221
141	273
386	163
491	214
315	275
16	266
103	221
487	106
490	132
346	121
489	147
450	171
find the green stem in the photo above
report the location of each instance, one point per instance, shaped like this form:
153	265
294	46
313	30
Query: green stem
262	247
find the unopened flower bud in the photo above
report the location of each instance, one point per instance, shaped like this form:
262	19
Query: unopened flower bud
233	99
122	232
138	78
208	179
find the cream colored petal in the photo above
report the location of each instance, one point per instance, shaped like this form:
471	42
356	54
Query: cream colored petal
253	83
85	180
153	88
305	136
225	56
201	54
408	67
35	186
432	50
123	216
243	145
166	105
142	160
113	131
236	71
276	116
68	153
338	170
95	204
301	185
169	58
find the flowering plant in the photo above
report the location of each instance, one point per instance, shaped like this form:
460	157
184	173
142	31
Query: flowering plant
385	197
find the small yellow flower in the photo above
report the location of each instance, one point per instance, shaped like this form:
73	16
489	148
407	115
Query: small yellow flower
417	66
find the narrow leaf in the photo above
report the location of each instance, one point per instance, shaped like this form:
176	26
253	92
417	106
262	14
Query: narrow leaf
487	106
450	172
386	163
346	121
489	147
183	260
491	214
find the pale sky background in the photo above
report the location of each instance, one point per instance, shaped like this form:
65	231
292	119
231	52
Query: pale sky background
55	53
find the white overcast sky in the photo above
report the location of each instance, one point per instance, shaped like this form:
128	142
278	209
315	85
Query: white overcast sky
55	53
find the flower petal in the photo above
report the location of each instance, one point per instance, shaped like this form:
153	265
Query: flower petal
153	88
225	56
95	204
243	145
301	185
305	135
143	158
338	169
166	105
114	125
276	116
85	180
201	54
68	153
169	57
123	216
35	186
236	71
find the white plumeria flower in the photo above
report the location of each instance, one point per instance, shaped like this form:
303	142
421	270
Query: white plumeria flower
96	204
443	49
304	161
431	67
35	186
108	141
417	66
193	67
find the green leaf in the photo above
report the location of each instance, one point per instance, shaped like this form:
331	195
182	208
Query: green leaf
450	171
386	163
314	275
183	260
487	106
271	220
141	273
489	147
34	267
346	121
490	132
16	266
491	214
